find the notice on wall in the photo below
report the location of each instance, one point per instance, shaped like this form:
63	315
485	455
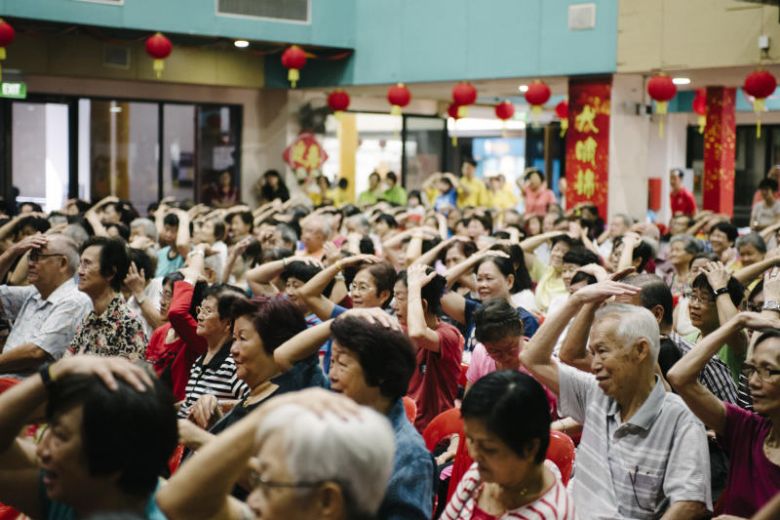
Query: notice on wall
587	143
13	90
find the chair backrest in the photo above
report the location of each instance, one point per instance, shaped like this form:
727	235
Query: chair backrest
446	423
561	452
410	407
462	375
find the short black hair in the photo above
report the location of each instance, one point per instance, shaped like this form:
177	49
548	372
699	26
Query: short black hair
768	184
304	271
495	320
121	229
386	355
483	218
226	295
123	431
499	399
653	291
276	319
642	250
736	290
384	276
39	224
387	219
533	171
143	262
581	256
431	292
391	176
728	228
245	216
220	230
114	258
470	160
582	276
171	219
678	172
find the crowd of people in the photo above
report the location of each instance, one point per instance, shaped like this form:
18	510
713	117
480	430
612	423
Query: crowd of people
299	359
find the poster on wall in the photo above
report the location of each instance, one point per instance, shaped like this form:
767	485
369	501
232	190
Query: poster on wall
305	153
587	143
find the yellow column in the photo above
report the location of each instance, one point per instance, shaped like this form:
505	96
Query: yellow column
348	143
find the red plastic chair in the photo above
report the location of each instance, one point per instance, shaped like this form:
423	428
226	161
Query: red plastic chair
443	425
175	459
561	452
411	408
462	376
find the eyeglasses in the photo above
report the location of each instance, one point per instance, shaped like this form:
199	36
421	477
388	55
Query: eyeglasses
700	298
359	287
36	255
258	481
204	311
764	373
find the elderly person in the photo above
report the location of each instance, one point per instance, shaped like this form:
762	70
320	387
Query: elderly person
317	455
315	231
749	438
111	329
682	249
643	454
111	432
44	313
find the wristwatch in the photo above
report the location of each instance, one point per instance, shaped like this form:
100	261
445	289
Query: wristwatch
722	290
771	305
45	373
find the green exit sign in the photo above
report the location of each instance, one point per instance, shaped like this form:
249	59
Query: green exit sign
13	90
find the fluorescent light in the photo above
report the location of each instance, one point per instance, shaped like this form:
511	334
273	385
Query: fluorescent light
523	88
115	109
241	44
681	81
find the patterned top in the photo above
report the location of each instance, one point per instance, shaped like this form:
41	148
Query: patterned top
116	332
715	375
48	324
555	504
639	467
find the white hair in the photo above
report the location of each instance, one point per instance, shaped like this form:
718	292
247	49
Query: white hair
633	323
150	229
66	246
356	453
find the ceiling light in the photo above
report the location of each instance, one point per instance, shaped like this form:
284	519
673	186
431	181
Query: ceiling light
523	88
241	44
681	81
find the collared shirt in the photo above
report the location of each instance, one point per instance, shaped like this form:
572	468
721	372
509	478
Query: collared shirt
656	458
409	493
47	323
715	375
116	332
477	192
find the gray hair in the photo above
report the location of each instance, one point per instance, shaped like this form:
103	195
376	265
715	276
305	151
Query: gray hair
323	222
692	246
357	453
77	233
66	246
628	221
150	229
752	239
633	323
287	234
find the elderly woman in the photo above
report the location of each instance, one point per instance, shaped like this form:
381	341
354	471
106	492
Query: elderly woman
750	438
317	456
509	477
682	249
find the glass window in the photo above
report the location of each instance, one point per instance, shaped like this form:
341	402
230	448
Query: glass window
425	138
179	151
218	161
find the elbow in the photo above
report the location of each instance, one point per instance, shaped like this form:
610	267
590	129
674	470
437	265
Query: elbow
282	360
677	378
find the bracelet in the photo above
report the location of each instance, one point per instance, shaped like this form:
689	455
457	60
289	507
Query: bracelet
284	261
340	277
141	300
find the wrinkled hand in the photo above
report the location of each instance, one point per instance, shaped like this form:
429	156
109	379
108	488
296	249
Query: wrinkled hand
205	411
241	247
135	280
108	369
142	243
374	315
596	271
600	292
756	321
36	241
772	284
359	259
416	276
717	275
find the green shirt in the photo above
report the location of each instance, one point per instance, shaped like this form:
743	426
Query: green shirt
368	197
395	195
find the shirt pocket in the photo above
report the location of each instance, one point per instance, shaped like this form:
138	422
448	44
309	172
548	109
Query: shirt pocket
645	484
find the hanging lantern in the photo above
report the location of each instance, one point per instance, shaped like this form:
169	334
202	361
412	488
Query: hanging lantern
562	111
398	96
760	84
338	100
453	111
700	108
158	47
537	95
7	34
463	95
505	110
293	59
662	89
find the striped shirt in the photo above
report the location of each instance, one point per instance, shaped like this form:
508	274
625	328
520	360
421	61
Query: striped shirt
715	375
555	504
637	468
217	377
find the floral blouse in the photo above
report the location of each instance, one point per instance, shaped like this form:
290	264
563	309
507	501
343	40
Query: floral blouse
116	332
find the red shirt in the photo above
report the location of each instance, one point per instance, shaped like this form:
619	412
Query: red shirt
683	203
434	384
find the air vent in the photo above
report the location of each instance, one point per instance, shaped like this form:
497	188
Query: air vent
289	10
116	57
582	17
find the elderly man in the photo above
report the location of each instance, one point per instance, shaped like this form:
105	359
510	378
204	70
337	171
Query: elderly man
643	454
46	312
315	231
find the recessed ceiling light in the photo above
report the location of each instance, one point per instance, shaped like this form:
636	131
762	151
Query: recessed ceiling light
681	81
241	44
523	88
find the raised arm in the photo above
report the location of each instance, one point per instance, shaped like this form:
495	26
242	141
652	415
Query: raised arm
749	273
311	292
433	253
10	255
718	278
419	332
455	272
302	345
530	244
136	282
183	235
262	275
574	351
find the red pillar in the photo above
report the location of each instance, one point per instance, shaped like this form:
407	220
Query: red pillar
719	150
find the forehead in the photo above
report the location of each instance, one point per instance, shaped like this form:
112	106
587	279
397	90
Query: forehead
364	275
699	263
603	331
91	253
488	268
506	343
768	351
209	301
570	267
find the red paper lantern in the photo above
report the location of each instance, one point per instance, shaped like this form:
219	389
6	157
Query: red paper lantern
158	47
760	84
398	96
662	89
338	100
293	59
452	111
7	34
463	95
538	94
700	108
505	110
562	111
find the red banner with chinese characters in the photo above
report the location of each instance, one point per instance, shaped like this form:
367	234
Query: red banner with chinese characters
719	150
587	143
305	153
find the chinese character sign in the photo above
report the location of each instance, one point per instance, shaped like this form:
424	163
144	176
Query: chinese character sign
587	143
305	153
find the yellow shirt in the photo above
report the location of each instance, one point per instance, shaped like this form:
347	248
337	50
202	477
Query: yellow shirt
550	286
502	199
477	192
341	197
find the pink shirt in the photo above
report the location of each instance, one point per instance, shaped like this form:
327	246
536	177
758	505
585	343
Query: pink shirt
536	202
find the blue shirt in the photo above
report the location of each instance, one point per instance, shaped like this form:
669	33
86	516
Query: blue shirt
167	265
327	348
446	199
409	494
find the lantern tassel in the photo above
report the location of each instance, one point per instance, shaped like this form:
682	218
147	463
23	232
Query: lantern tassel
536	110
462	111
2	57
758	107
564	126
158	67
396	110
702	120
454	141
660	109
293	76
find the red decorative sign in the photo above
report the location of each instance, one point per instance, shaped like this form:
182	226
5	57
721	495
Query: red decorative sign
306	153
720	150
587	143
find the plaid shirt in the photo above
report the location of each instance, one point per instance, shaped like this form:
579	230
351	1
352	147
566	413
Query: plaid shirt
715	375
116	332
